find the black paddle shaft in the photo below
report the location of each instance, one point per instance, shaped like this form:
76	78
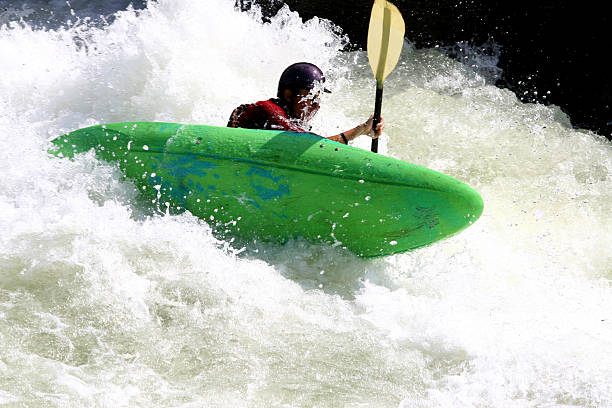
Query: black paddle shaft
376	120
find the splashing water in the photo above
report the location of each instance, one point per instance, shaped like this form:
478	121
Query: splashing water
103	304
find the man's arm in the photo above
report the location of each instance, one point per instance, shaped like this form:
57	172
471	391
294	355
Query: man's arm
363	129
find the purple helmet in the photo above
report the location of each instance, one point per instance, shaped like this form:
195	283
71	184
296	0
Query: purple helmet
301	75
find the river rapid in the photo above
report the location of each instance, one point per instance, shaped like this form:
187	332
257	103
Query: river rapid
104	303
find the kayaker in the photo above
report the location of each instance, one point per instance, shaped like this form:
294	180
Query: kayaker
296	103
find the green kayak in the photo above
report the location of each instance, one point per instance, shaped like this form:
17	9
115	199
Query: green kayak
276	186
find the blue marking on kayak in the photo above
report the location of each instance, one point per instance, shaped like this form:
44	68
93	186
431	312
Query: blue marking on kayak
186	170
267	192
258	171
188	165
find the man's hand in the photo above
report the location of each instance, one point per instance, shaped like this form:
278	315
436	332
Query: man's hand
367	128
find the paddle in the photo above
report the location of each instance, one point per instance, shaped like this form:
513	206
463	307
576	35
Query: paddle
385	41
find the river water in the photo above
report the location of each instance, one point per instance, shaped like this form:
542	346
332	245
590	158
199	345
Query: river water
105	304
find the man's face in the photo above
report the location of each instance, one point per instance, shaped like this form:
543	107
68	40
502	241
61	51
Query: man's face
306	104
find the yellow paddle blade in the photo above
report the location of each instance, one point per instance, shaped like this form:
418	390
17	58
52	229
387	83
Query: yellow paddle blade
385	38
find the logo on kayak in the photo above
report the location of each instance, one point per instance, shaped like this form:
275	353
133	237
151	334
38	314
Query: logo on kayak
427	215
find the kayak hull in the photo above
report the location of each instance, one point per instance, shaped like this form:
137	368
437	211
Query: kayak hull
276	186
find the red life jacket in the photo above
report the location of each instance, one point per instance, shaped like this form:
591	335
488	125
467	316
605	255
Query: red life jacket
268	115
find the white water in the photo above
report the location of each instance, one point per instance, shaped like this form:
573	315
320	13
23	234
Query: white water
102	306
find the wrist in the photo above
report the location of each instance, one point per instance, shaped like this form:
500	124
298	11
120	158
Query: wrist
363	129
